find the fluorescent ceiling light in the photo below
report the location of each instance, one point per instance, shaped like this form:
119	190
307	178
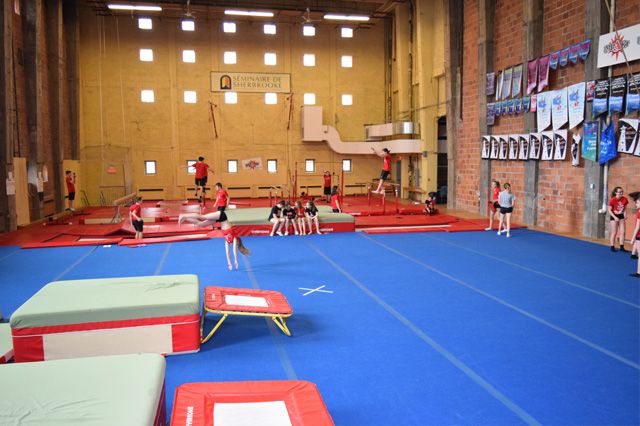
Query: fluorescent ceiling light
346	17
249	13
135	7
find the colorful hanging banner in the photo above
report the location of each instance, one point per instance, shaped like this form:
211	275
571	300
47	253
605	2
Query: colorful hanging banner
608	144
485	150
491	84
590	140
523	143
573	53
628	135
532	75
534	103
575	150
576	104
610	46
504	108
495	147
617	90
564	57
499	87
559	113
543	73
534	146
547	145
526	103
553	60
513	147
585	47
544	110
510	106
517	81
633	93
517	105
560	144
506	84
600	97
504	147
491	114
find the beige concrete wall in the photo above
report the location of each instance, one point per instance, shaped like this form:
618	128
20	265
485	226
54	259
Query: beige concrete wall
117	129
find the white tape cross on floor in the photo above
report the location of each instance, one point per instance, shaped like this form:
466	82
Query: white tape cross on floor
315	290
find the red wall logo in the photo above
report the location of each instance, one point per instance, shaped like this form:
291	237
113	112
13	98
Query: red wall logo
617	45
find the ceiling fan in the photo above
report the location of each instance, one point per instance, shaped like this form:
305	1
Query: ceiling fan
306	17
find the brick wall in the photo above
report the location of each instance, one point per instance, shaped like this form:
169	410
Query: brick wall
560	185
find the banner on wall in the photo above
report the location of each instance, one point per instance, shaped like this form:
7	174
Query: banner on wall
590	140
506	84
560	144
585	47
617	88
517	80
608	149
510	106
252	164
532	75
600	97
513	147
573	53
517	105
610	46
576	94
526	103
495	147
560	107
505	107
491	84
543	73
535	145
491	114
628	135
499	88
546	139
534	103
485	149
523	144
591	90
544	110
564	57
575	149
253	82
504	147
553	59
633	93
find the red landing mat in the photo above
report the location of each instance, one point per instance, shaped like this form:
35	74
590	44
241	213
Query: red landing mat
413	209
172	239
76	243
404	220
401	230
167	229
94	230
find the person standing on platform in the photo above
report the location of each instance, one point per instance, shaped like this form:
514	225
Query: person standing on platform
222	198
135	215
617	210
70	179
335	200
635	239
327	186
202	173
385	154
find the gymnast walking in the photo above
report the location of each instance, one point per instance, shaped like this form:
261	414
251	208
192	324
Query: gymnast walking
222	198
229	232
494	205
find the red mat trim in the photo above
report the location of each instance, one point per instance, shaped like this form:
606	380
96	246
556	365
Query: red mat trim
112	240
172	239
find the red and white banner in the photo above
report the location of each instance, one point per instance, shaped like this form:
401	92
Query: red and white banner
611	46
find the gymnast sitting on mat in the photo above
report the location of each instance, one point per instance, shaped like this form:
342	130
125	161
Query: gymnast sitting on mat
228	232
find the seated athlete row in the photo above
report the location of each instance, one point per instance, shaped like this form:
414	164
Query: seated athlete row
285	215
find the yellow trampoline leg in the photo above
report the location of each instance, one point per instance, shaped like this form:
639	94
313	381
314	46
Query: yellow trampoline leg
281	323
220	321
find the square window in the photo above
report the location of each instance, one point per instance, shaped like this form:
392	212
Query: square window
188	25
346	61
270	59
270	98
269	29
346	165
347	99
346	32
229	27
230	98
272	166
149	167
309	60
232	166
146	55
191	170
310	166
309	99
145	23
147	96
230	57
190	97
189	56
308	30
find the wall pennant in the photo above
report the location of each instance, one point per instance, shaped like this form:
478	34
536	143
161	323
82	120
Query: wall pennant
590	137
633	93
534	103
517	105
485	150
499	86
491	117
544	110
523	143
559	114
591	90
506	85
547	145
575	150
543	73
564	57
510	106
532	75
491	84
517	81
535	146
526	103
504	147
553	60
585	47
628	135
600	97
608	146
495	147
513	147
576	104
504	108
560	144
573	53
617	88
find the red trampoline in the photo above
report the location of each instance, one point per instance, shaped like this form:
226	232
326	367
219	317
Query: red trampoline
268	403
244	301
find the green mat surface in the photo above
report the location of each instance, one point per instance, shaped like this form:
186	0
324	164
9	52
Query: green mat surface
260	216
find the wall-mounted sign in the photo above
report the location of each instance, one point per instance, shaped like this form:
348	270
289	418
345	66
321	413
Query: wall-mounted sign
611	45
250	82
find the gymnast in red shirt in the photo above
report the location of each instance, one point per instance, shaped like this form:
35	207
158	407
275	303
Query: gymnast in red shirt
494	206
635	239
335	200
617	215
222	198
135	215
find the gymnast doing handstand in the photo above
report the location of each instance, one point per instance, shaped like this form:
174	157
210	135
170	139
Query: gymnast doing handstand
228	232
